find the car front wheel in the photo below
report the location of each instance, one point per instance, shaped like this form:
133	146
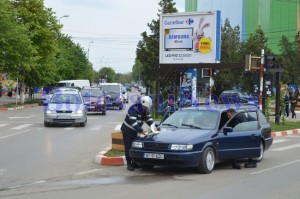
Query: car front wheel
207	161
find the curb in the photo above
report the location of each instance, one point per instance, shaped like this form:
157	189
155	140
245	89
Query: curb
285	133
119	161
18	107
113	161
11	109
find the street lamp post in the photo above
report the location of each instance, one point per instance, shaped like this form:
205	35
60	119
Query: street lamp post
62	17
88	52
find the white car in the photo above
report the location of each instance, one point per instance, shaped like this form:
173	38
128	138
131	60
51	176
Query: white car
65	107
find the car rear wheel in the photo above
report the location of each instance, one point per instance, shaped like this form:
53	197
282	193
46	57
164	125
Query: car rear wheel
262	150
207	161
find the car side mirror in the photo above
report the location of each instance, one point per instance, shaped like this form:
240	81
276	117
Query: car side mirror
227	130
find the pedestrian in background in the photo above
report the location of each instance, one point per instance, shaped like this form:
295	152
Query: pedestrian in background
293	99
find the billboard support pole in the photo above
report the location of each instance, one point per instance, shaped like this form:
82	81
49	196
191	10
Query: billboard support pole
210	83
261	79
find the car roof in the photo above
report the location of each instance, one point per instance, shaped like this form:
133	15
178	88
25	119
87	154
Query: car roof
92	88
223	107
67	91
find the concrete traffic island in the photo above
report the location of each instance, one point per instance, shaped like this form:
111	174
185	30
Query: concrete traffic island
117	144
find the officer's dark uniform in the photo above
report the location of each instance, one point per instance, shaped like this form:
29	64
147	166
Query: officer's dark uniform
132	125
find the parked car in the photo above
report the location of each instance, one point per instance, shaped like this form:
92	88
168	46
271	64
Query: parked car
65	107
237	96
94	100
199	137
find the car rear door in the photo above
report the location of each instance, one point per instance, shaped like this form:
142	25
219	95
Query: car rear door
243	142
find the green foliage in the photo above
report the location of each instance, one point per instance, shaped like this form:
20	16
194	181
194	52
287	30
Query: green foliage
34	50
288	125
107	73
148	48
16	47
290	60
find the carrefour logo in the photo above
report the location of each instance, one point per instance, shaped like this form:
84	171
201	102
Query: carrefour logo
189	21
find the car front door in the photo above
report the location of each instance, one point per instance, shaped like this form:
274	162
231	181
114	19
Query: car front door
243	142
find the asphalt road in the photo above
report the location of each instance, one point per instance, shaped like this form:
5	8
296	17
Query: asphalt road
58	162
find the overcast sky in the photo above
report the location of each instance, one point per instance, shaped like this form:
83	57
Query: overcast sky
108	30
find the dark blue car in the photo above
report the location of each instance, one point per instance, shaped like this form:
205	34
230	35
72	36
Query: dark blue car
202	136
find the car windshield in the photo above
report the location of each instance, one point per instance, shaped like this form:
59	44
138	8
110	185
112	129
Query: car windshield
92	93
111	88
193	118
62	98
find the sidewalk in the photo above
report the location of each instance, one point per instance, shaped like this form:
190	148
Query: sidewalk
4	99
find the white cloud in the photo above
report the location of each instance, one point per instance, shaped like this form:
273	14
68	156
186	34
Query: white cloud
114	26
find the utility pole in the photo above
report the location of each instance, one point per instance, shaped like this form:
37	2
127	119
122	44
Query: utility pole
261	80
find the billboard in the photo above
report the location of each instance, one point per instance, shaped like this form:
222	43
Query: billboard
190	38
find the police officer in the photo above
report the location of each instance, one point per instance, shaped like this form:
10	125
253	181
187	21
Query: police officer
137	114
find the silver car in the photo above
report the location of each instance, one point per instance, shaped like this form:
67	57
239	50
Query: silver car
65	107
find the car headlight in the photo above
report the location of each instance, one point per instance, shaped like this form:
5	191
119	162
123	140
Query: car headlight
50	111
79	112
137	144
181	147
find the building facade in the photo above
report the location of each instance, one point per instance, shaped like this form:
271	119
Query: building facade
275	17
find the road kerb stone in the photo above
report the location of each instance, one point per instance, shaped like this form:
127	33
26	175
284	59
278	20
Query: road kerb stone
113	161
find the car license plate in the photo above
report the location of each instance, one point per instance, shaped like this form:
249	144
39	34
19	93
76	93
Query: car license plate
154	156
63	117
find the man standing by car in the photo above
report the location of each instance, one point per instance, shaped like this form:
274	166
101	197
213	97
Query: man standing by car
236	119
137	114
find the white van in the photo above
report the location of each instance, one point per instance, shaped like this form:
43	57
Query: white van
77	83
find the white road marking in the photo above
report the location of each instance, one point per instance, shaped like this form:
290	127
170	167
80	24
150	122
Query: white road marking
287	147
21	117
13	134
279	141
276	167
2	125
21	126
86	172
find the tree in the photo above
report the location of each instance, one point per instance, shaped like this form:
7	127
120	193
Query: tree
289	60
148	48
43	29
17	50
137	70
107	73
230	53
